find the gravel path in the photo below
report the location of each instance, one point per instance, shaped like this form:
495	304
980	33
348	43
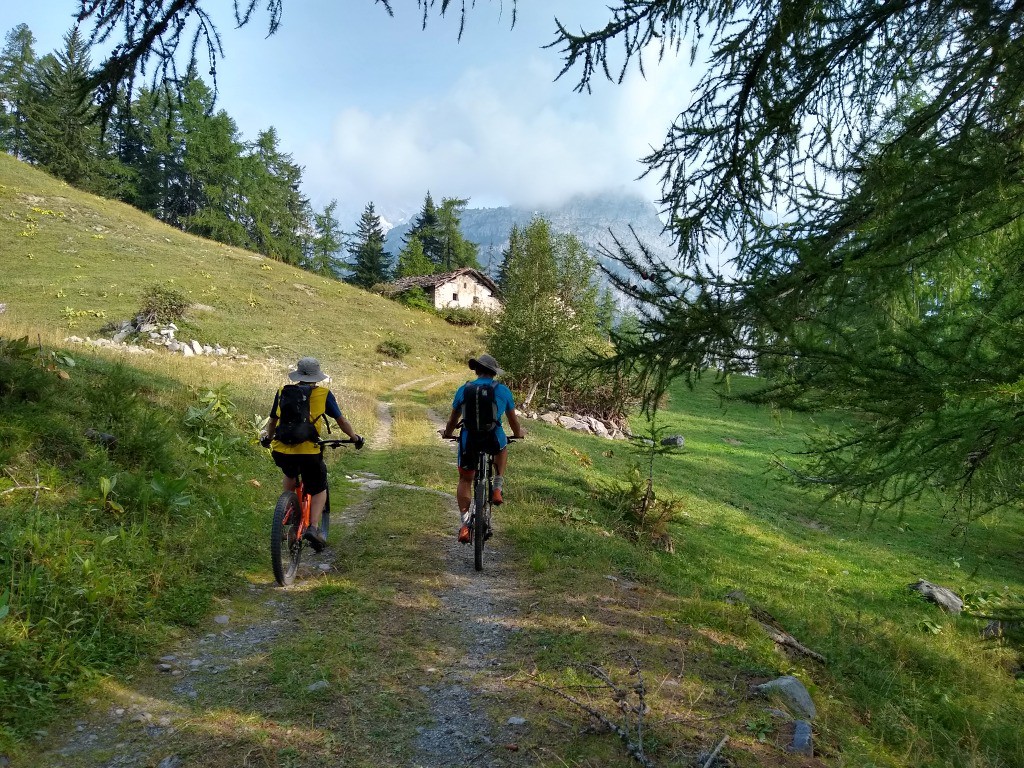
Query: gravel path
481	607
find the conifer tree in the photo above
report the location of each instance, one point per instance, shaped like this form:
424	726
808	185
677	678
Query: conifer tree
548	293
863	160
454	250
370	263
213	169
606	312
326	243
412	261
277	213
61	132
426	227
17	62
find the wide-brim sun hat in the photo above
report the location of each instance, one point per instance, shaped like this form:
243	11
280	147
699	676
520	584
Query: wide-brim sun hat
308	371
486	361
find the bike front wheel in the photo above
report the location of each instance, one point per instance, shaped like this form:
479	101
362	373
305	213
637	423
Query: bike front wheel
285	544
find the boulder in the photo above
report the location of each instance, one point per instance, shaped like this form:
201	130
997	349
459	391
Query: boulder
197	348
802	739
574	424
676	441
793	694
186	350
549	417
944	597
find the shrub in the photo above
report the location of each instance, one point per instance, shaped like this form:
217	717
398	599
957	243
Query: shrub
643	516
416	298
161	304
463	316
395	348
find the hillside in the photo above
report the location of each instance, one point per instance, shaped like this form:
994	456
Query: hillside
140	624
73	262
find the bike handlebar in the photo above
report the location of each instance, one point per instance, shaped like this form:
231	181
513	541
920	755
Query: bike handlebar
334	442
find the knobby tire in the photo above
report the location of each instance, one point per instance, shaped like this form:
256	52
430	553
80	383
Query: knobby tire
479	521
285	548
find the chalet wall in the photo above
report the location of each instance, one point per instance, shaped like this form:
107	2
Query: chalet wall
465	292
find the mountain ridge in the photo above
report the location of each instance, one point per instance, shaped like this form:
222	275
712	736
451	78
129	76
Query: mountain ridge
596	219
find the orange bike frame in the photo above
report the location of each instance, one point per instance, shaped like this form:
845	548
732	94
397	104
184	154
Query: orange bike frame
304	503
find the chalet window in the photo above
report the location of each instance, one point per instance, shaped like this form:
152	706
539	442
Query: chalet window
455	297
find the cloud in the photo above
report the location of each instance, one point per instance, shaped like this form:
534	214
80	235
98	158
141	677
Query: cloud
498	135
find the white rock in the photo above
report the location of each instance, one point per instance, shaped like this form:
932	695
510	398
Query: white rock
222	619
207	349
549	417
319	685
73	340
516	721
197	348
186	350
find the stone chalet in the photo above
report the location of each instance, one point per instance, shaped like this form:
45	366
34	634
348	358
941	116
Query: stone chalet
464	288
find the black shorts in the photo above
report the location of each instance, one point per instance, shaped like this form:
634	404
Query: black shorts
311	467
475	444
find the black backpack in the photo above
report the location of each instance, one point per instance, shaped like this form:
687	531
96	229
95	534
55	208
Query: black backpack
295	425
479	408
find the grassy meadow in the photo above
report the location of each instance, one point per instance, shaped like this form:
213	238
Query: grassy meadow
109	554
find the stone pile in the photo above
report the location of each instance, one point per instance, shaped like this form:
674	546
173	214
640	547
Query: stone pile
577	423
133	335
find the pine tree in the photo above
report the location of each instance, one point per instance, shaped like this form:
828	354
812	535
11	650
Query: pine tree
606	313
17	62
454	250
864	162
213	169
548	291
412	261
61	129
370	262
326	243
277	213
426	227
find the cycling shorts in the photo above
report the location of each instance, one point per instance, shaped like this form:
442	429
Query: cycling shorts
472	444
310	467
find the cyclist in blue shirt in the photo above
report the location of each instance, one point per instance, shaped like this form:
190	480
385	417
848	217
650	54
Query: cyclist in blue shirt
471	444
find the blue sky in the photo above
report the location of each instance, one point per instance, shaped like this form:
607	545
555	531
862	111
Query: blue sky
377	109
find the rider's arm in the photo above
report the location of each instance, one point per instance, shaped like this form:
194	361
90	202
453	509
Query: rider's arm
346	427
513	421
271	427
332	409
453	422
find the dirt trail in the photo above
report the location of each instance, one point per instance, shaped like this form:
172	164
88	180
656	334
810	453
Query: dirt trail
482	607
151	728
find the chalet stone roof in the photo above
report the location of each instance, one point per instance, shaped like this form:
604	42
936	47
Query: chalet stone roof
432	281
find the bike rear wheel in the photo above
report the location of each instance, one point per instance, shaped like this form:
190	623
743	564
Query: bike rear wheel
479	521
285	545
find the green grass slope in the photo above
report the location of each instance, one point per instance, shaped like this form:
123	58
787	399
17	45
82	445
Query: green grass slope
73	262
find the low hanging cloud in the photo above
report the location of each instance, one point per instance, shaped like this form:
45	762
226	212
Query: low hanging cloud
499	137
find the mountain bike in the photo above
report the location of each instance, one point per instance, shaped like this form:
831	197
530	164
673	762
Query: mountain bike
291	520
480	512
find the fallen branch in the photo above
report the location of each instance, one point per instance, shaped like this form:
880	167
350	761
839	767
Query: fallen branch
711	759
771	626
635	751
26	488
